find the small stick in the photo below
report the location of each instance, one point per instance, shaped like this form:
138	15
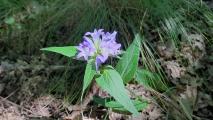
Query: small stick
5	100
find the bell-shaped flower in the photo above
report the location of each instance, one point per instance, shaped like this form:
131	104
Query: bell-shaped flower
98	45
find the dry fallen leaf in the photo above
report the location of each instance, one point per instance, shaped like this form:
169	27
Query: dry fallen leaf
87	118
166	51
173	69
197	41
43	105
155	114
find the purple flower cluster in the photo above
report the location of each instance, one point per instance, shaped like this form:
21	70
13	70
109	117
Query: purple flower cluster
98	45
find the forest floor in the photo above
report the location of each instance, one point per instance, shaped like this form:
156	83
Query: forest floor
24	79
34	87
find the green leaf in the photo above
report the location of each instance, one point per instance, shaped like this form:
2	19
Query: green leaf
89	74
149	79
143	76
111	81
128	64
117	106
9	20
68	51
140	105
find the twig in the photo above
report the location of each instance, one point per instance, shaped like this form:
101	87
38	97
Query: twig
11	94
5	100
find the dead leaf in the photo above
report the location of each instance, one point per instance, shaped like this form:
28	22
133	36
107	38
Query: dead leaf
173	69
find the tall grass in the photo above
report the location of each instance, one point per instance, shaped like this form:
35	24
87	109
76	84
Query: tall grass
41	23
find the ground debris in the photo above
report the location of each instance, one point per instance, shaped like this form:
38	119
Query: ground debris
45	106
174	69
29	77
10	113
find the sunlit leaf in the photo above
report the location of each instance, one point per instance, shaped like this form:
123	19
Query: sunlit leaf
89	74
111	81
68	51
128	64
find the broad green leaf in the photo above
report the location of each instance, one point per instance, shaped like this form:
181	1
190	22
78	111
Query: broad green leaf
68	51
143	77
128	64
111	81
9	20
117	106
140	105
89	74
149	79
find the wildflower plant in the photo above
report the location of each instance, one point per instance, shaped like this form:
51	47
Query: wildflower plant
97	47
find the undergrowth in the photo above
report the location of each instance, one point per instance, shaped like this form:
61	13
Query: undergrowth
28	25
